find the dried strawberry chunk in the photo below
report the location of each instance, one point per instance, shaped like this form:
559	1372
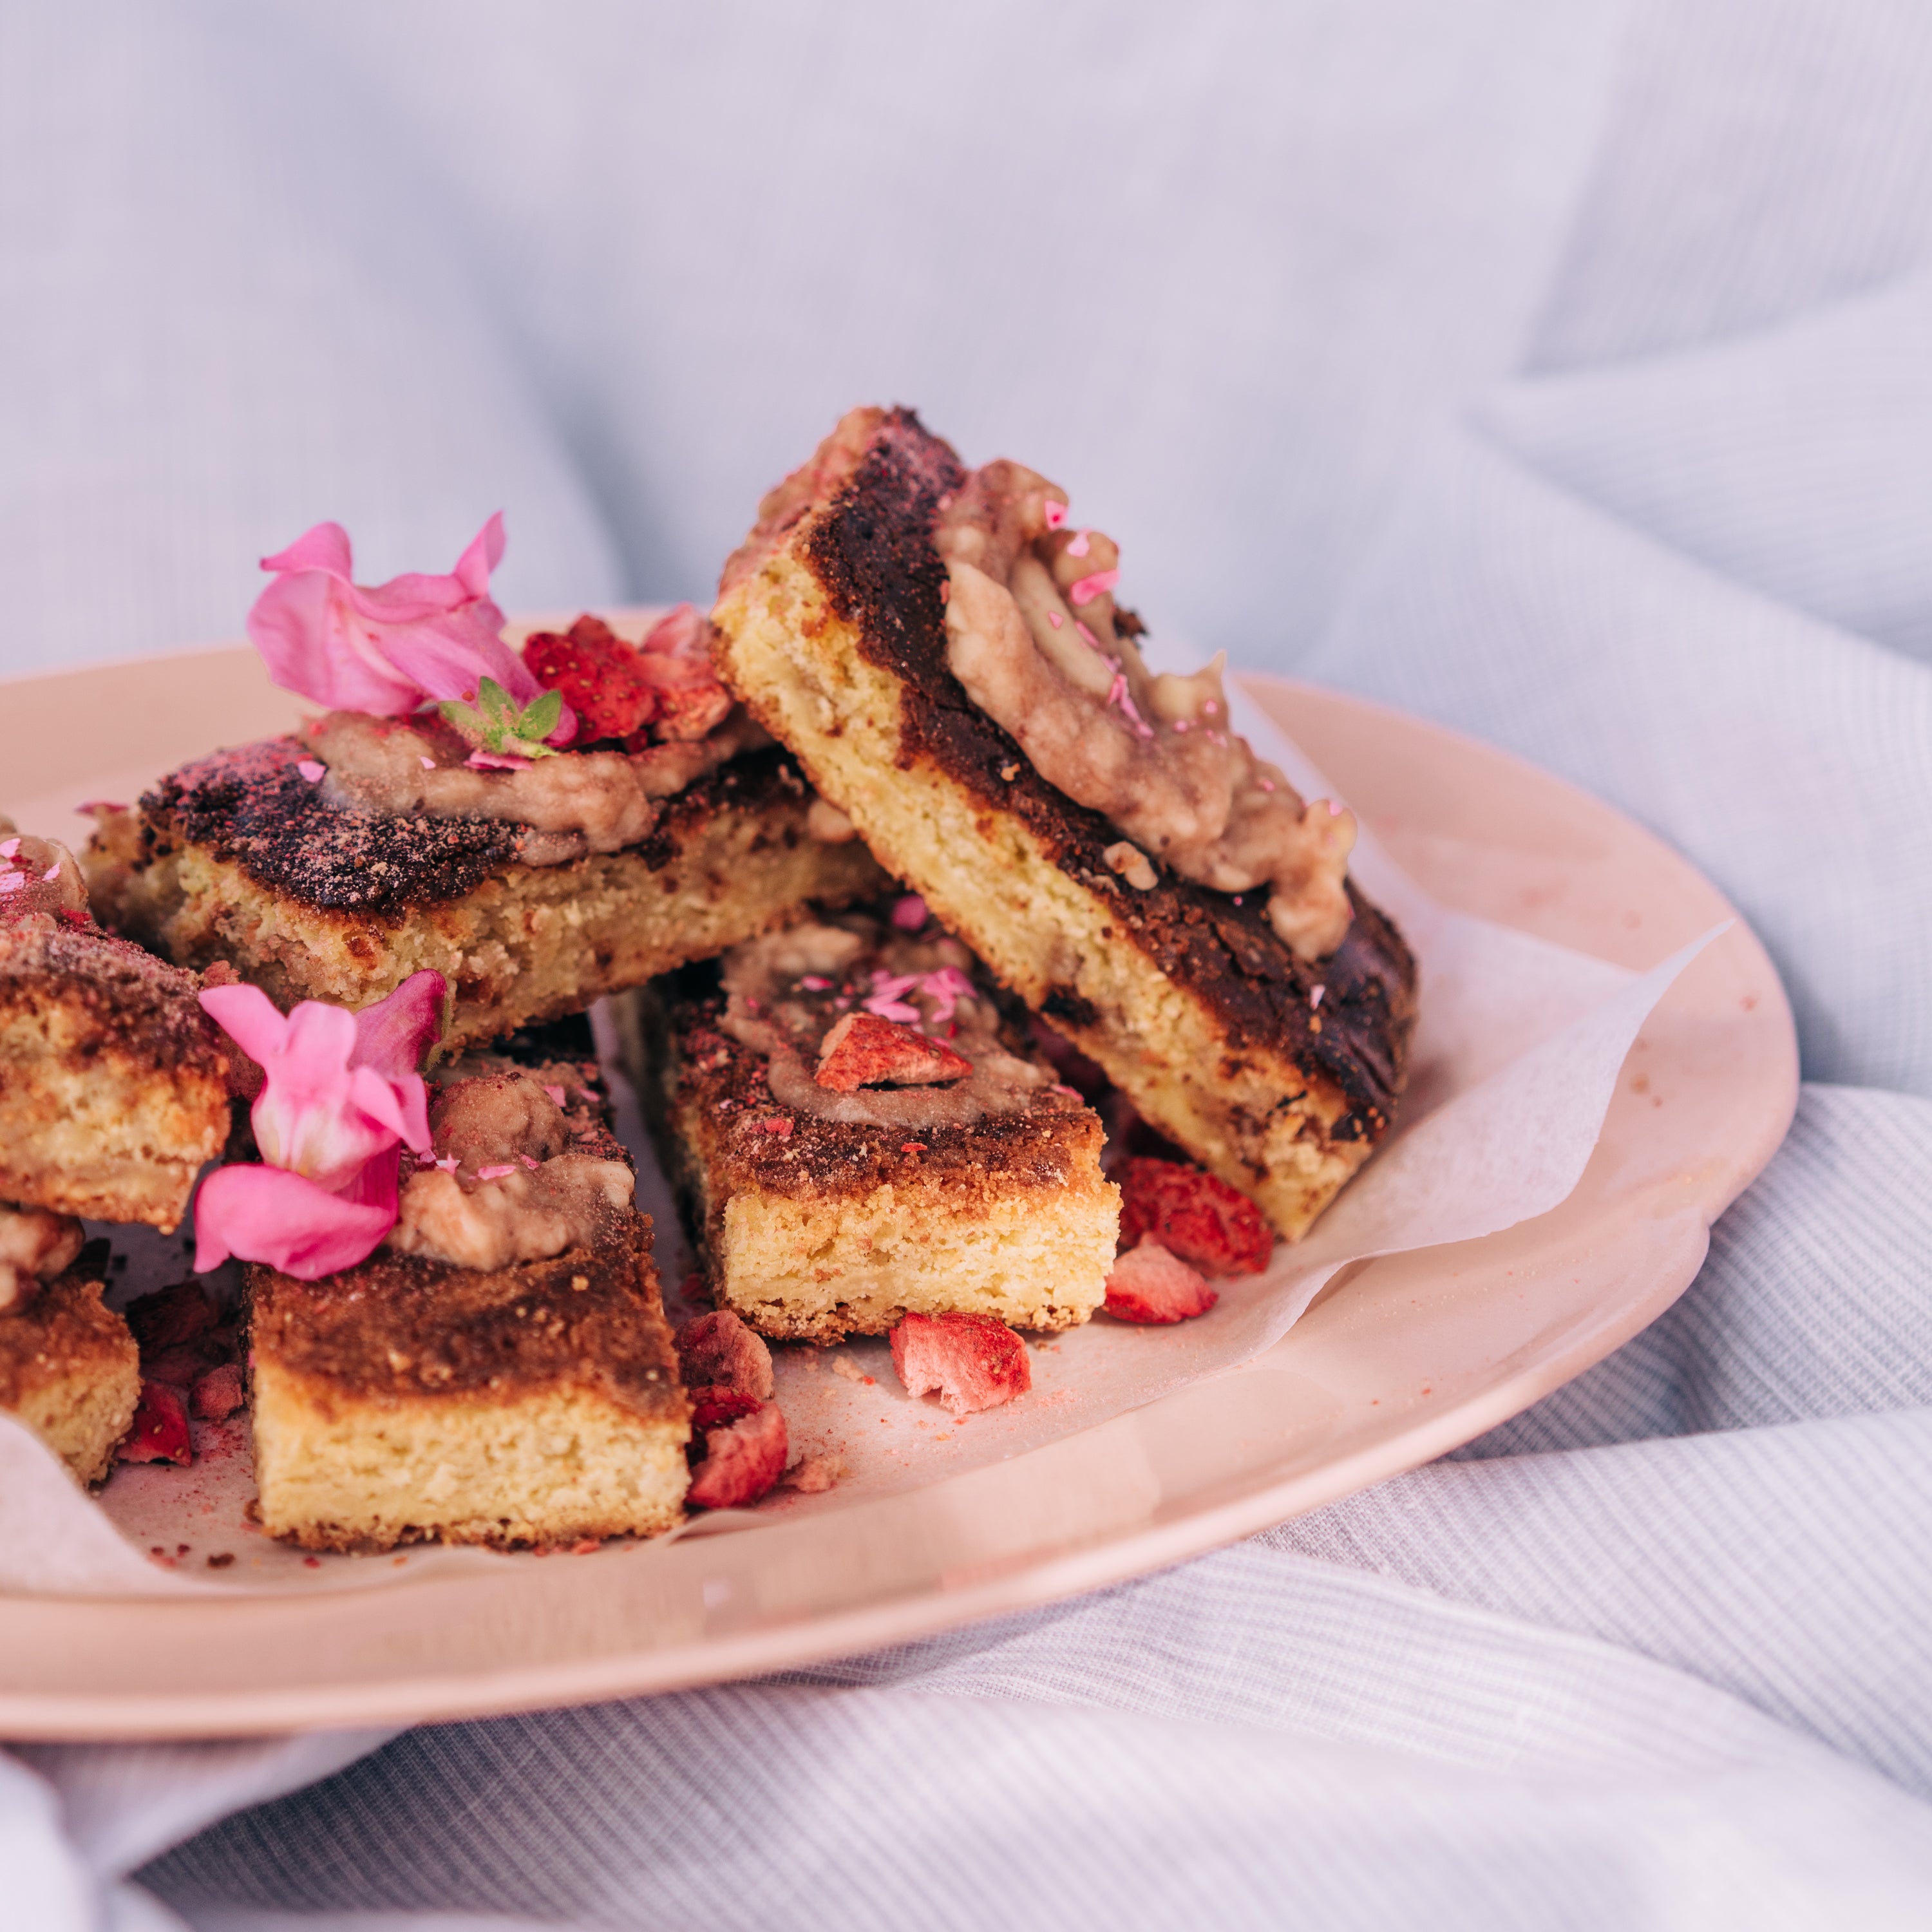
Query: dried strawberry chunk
173	1317
862	1050
160	1432
719	1350
216	1396
1149	1285
599	675
1193	1215
970	1362
674	661
744	1448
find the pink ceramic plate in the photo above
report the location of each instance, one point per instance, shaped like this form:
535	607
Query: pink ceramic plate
1401	1359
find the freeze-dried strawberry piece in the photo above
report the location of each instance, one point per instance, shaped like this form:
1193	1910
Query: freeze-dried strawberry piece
719	1349
970	1362
160	1432
182	1367
599	675
219	1394
743	1456
862	1050
1149	1285
674	661
172	1317
714	1404
1193	1215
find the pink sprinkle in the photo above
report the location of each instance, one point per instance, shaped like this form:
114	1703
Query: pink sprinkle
429	764
1120	694
1089	588
7	850
1215	737
1268	785
1180	724
1315	997
893	1009
812	983
449	1163
1094	641
909	915
532	1165
781	1126
556	1094
1053	618
908	1147
51	874
311	770
1334	808
1059	1086
946	988
1238	899
1079	546
1210	707
12	882
496	1173
838	1005
1056	514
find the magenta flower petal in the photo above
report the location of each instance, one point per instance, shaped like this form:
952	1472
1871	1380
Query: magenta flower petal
265	1214
389	648
393	1034
249	1018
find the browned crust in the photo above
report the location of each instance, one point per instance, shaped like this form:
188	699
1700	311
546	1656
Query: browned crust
113	1001
870	548
64	1334
400	1328
707	1102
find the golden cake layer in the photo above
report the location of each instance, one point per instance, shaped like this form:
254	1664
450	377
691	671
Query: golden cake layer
830	627
407	1399
826	1228
70	1369
114	1084
240	858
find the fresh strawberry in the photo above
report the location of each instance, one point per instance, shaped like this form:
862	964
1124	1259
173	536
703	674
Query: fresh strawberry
218	1394
862	1050
675	661
970	1362
1193	1215
160	1432
171	1317
744	1448
1149	1285
718	1349
599	675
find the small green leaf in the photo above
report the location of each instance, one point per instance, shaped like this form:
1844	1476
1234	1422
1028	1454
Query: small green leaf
540	716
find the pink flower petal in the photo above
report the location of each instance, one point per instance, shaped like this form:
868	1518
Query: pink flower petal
496	761
9	848
393	1034
249	1018
556	1094
266	1214
496	1172
386	649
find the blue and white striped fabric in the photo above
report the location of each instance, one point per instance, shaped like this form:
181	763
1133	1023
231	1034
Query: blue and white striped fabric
1563	373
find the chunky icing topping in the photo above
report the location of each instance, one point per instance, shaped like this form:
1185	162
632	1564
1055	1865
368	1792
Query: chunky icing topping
39	875
34	1246
580	801
1034	635
513	1176
787	993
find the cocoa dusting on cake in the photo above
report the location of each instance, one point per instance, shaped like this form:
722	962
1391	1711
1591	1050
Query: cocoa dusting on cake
871	549
400	1326
289	832
118	1000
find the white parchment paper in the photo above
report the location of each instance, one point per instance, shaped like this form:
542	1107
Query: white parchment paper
1516	1054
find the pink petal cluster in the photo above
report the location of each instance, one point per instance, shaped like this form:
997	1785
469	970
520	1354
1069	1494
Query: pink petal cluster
887	997
390	649
340	1095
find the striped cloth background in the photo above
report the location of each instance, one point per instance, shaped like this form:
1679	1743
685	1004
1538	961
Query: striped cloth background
1563	374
